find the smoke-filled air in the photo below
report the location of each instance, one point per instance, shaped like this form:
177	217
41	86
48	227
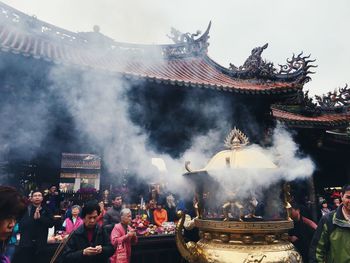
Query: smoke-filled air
103	117
106	113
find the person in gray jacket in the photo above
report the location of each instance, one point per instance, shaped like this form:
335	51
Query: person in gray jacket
112	216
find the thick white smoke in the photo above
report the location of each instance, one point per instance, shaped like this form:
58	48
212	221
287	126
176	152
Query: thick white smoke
266	184
23	116
99	107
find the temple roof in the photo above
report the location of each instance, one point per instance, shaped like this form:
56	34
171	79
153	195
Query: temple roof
80	161
326	111
185	63
322	121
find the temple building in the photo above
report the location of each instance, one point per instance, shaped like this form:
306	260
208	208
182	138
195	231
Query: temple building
162	79
79	171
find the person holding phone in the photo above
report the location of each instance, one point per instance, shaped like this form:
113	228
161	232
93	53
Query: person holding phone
89	243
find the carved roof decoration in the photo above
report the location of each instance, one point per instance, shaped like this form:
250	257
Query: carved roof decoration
189	42
300	103
183	64
338	99
308	104
296	69
331	110
336	102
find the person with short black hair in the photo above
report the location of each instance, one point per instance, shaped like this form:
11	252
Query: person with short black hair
12	207
302	232
336	203
332	237
33	228
324	208
74	221
103	212
89	243
160	215
112	216
53	199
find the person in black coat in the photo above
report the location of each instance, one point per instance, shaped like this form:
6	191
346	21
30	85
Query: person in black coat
33	228
53	199
302	232
90	242
112	216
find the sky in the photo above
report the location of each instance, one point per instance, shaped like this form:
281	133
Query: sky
316	27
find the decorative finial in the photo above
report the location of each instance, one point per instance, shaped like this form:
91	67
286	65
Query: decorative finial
96	29
236	139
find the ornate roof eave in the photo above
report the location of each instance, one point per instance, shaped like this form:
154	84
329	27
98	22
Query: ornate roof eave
324	121
296	70
311	125
297	85
236	90
337	101
174	82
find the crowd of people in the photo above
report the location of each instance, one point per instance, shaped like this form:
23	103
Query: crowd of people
89	233
327	241
95	234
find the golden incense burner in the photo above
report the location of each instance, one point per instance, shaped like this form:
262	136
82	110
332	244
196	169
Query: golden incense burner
238	233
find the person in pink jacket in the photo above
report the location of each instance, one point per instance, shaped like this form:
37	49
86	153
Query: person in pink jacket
73	222
122	236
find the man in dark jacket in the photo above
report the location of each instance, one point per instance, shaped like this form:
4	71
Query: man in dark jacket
112	216
90	242
302	233
332	237
53	199
33	228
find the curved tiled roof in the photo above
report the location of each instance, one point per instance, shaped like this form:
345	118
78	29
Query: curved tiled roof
325	120
80	161
182	64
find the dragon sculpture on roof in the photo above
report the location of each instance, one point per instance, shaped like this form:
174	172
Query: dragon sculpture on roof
296	69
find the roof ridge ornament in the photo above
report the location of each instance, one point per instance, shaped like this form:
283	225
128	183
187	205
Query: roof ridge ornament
236	139
296	69
189	43
337	99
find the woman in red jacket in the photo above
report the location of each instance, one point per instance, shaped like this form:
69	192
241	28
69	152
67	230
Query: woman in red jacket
122	236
